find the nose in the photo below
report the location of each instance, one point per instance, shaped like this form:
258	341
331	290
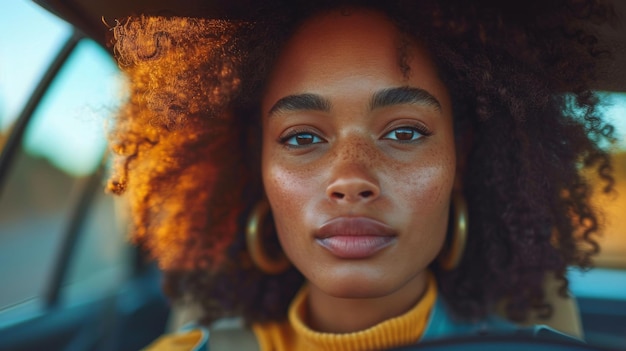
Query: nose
353	178
352	190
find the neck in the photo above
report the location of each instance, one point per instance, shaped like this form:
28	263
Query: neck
330	314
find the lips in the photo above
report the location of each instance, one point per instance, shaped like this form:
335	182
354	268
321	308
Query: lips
354	237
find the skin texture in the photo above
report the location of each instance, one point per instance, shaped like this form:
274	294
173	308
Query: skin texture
394	164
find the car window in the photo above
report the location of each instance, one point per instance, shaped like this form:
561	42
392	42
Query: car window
25	53
613	240
62	147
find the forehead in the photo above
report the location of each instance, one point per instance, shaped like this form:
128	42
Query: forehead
333	49
352	30
341	38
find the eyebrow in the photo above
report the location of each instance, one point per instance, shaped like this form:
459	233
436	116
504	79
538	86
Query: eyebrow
301	102
403	95
380	99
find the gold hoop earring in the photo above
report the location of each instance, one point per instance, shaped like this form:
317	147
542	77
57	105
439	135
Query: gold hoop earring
451	255
254	242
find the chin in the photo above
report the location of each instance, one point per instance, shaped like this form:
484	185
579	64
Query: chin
358	283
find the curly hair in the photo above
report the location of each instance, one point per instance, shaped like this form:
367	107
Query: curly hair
187	144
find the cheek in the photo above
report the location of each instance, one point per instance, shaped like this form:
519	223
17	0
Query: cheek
291	197
425	183
286	189
424	202
423	190
289	193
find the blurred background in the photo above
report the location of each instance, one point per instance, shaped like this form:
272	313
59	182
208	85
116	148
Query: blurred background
63	144
70	280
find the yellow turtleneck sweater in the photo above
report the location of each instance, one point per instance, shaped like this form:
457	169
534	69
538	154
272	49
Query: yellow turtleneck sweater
294	334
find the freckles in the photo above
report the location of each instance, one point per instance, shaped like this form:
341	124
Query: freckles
429	180
359	151
424	187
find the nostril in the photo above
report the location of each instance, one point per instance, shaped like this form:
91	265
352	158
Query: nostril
352	191
366	194
337	195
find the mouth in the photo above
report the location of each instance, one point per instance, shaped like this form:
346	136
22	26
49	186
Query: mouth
354	237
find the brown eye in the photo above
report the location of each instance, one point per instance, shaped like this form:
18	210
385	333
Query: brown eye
302	139
403	134
305	139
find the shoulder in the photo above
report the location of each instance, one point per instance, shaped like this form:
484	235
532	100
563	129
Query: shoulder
443	324
232	337
225	336
547	333
188	339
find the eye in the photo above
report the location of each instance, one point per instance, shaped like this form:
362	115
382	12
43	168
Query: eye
301	139
404	134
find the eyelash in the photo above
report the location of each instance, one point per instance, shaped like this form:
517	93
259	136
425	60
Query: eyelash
284	139
421	129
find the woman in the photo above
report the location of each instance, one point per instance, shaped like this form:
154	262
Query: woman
376	131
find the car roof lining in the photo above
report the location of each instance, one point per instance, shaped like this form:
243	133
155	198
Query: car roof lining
91	17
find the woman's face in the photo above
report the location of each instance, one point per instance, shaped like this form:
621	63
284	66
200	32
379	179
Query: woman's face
358	158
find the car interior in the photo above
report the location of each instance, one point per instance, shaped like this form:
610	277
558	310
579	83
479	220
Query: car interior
72	281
